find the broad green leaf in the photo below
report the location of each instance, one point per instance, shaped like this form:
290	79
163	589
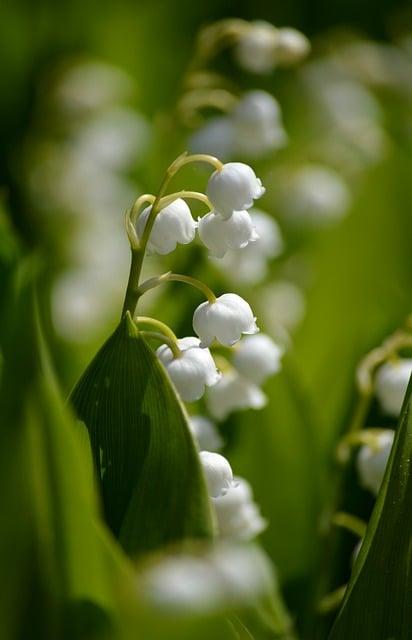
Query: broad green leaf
62	570
378	601
151	482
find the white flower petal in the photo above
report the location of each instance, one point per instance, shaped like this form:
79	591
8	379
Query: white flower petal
219	235
238	516
371	461
226	320
192	371
255	50
233	393
173	224
205	433
234	187
257	357
391	383
218	473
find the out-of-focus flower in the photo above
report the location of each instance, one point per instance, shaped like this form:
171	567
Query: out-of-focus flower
282	303
255	48
216	137
391	383
258	124
313	195
225	319
249	265
233	393
292	46
92	85
173	224
192	371
372	460
234	187
238	516
228	574
220	235
258	357
218	473
205	433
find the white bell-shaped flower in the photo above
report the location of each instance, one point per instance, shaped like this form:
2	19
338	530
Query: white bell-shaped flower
220	235
256	47
233	187
225	319
173	225
238	516
194	370
205	433
250	264
372	461
258	357
391	383
258	123
233	393
218	473
292	46
216	137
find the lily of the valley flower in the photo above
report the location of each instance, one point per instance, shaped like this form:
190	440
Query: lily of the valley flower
234	187
218	473
391	383
225	319
255	49
219	235
257	357
216	136
292	46
259	129
232	393
238	516
194	370
173	225
372	461
205	433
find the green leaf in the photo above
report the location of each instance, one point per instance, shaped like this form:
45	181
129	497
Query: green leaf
377	603
151	482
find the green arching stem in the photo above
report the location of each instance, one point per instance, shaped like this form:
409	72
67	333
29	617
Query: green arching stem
194	195
332	600
162	338
164	328
176	277
352	523
139	250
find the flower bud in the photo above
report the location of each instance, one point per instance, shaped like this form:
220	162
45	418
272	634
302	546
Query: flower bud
291	46
233	393
218	473
205	433
192	371
256	47
219	234
234	187
173	224
257	357
391	383
225	319
372	461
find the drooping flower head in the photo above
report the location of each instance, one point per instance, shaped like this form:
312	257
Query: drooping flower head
372	461
194	370
173	225
233	187
257	357
391	383
225	319
220	235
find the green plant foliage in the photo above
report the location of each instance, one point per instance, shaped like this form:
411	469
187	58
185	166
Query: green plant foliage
378	599
151	482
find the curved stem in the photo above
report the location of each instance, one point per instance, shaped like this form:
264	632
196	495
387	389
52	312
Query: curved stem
158	324
165	340
137	205
193	195
176	277
352	523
